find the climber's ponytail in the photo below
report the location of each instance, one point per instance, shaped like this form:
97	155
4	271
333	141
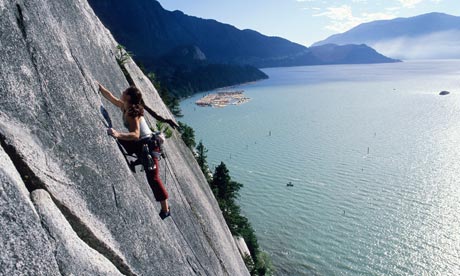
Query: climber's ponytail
137	103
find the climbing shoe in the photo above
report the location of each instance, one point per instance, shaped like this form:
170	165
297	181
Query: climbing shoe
165	214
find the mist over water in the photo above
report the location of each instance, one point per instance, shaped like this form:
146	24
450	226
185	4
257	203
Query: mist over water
373	153
439	45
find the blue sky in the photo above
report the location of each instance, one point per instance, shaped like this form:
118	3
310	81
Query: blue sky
306	21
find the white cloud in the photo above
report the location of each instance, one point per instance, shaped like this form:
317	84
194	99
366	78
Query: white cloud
342	18
338	13
409	3
392	9
316	9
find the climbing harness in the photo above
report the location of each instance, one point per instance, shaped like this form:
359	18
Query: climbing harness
152	147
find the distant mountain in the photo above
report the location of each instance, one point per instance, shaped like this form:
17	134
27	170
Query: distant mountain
432	35
158	39
186	70
150	31
347	54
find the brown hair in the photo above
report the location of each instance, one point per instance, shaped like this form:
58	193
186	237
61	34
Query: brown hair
135	99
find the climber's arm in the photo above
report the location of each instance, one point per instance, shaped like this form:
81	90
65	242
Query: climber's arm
109	96
134	130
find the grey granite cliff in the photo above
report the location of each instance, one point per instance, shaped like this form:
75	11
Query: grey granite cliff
69	205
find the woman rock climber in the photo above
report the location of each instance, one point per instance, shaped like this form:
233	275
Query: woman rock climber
131	104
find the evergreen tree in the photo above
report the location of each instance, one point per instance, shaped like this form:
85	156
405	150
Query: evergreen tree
226	192
263	265
174	106
201	159
226	189
187	134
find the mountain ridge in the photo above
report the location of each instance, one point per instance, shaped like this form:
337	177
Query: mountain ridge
220	42
153	33
411	37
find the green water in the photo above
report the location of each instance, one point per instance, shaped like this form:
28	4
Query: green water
374	155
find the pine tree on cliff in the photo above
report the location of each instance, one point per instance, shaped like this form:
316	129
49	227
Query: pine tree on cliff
201	156
223	187
187	134
226	192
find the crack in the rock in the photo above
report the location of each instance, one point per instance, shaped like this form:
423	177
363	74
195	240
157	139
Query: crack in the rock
115	196
86	235
33	182
55	179
77	62
20	21
29	178
32	54
82	72
55	251
56	258
121	63
192	265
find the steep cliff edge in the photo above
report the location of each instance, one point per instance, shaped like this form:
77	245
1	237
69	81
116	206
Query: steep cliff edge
69	203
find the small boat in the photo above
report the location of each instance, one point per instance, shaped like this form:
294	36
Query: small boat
443	93
290	184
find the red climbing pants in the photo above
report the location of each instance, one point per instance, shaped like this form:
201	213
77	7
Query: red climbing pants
153	177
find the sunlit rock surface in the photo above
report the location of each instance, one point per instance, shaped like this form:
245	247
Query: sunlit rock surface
89	207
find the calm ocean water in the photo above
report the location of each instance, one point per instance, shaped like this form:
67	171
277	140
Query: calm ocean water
374	155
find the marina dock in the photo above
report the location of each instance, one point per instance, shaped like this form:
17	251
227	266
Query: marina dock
222	99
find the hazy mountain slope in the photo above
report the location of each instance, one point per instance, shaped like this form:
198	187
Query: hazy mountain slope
432	35
347	54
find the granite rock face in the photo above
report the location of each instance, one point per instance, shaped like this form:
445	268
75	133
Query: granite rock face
73	255
91	212
24	245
